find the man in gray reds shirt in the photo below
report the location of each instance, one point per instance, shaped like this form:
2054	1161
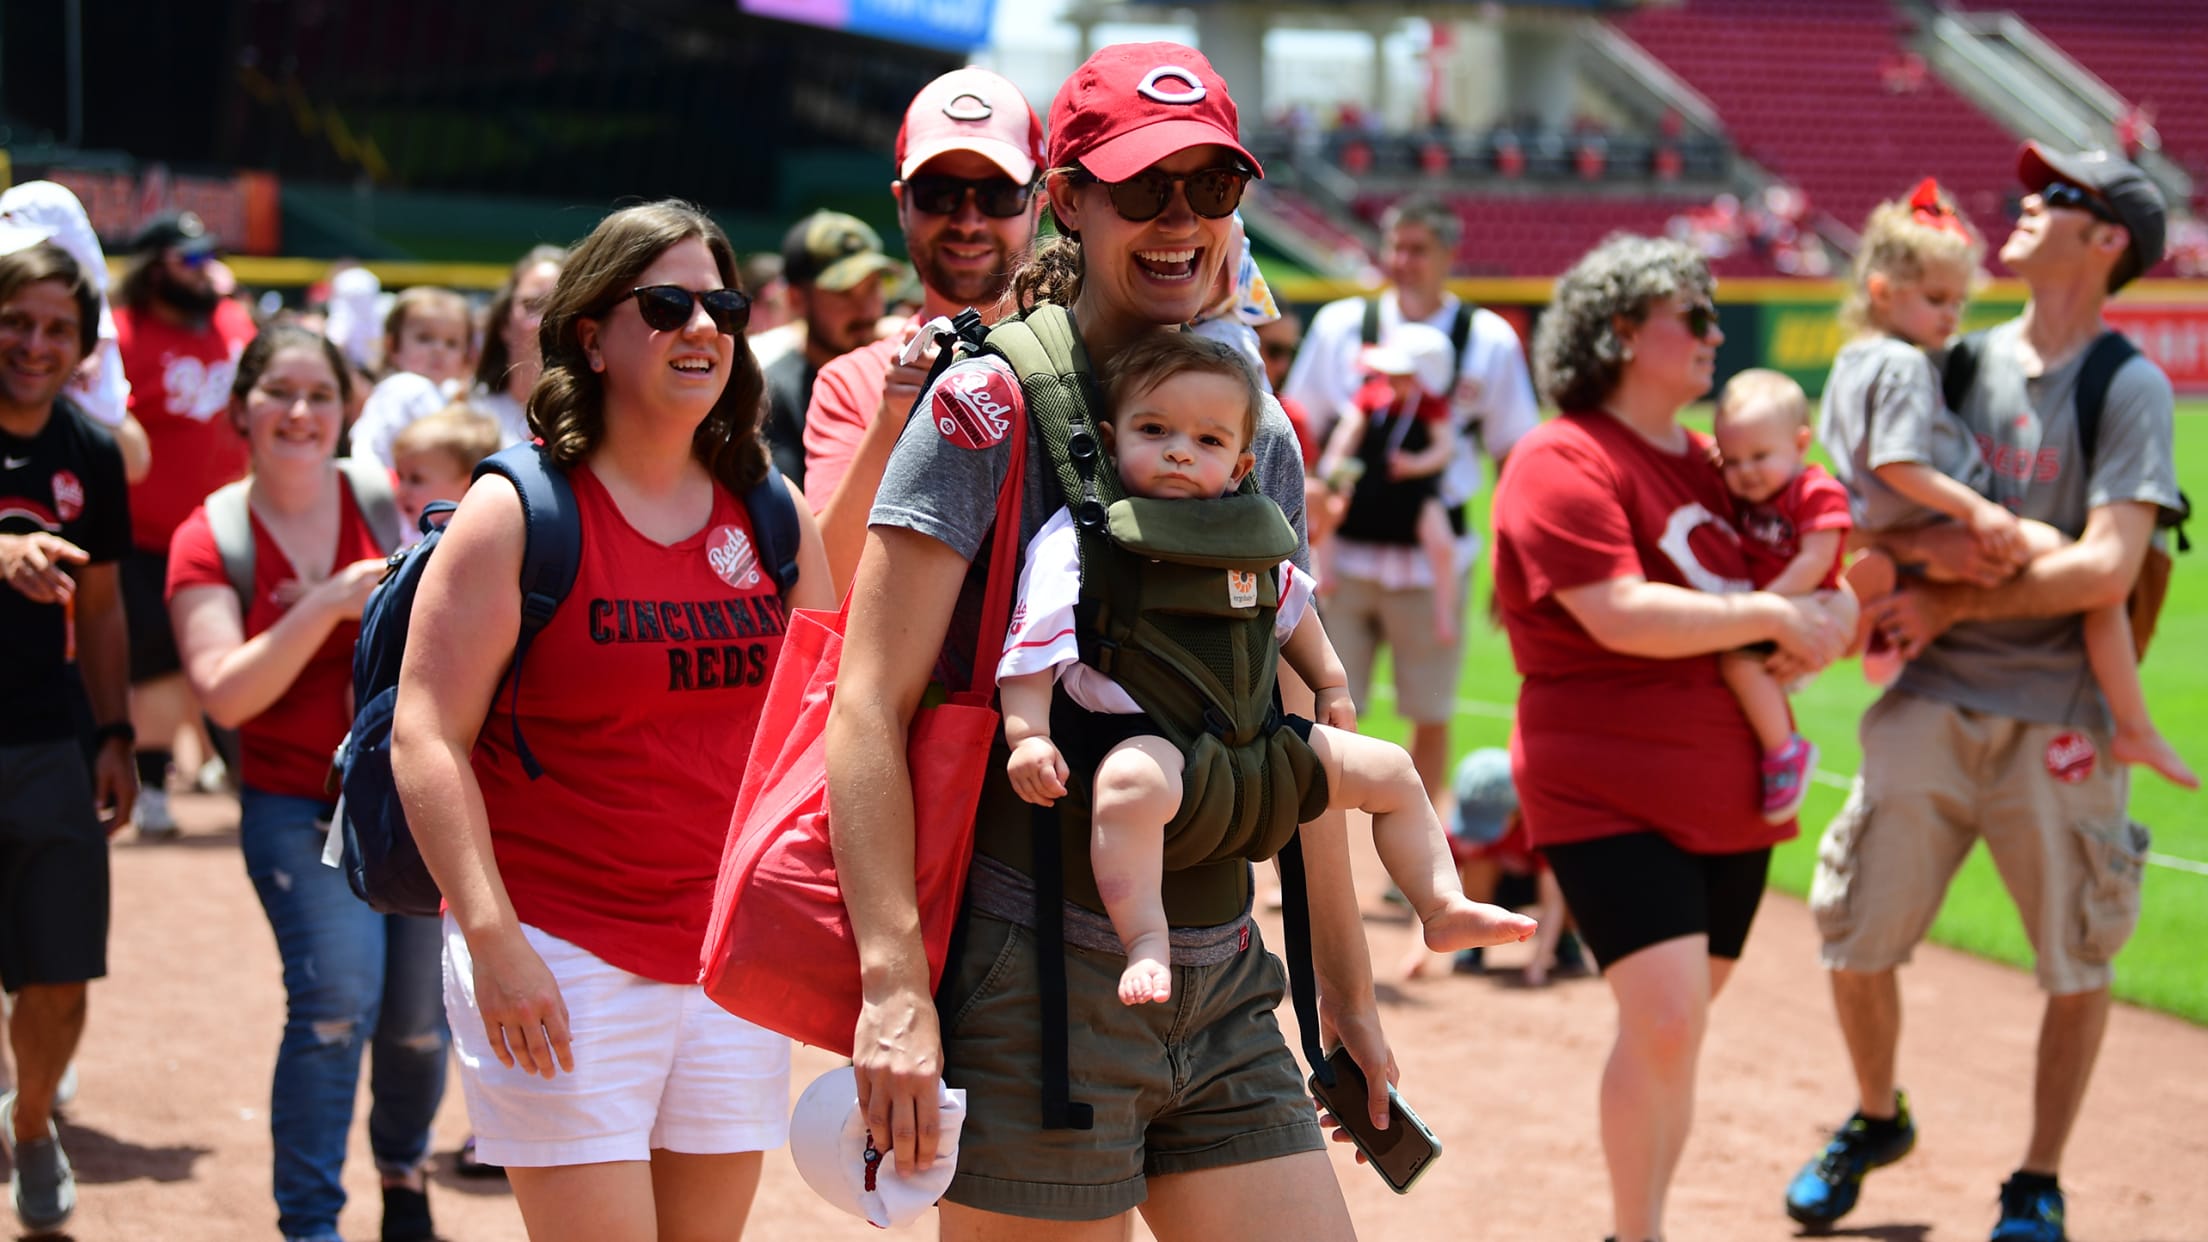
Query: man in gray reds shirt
1997	728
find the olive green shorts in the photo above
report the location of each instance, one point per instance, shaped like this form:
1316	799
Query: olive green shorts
1203	1081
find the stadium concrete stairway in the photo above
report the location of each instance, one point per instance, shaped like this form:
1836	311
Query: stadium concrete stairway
1802	87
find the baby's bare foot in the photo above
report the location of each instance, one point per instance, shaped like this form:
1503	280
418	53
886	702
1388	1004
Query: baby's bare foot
1462	923
2153	750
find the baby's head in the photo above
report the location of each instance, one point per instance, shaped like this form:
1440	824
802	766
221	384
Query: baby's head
1762	429
1416	360
435	455
1183	415
430	333
1914	268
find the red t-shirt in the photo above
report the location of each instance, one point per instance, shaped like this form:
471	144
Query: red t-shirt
846	395
180	393
639	699
1608	743
1300	419
288	747
1771	533
1377	396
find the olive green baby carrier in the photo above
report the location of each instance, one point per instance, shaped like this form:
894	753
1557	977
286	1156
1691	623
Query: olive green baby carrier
1177	605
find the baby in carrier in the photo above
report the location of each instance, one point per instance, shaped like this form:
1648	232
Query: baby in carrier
1183	414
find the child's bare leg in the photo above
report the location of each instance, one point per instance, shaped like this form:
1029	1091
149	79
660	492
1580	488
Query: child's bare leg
1378	778
1550	914
2109	651
1138	789
1761	699
1439	543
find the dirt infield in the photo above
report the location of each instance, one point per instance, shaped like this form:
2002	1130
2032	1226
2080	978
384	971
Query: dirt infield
170	1133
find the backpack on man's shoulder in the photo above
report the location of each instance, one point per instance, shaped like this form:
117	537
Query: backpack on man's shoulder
382	863
2103	359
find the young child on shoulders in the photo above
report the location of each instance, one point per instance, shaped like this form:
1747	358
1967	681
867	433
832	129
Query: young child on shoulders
1407	403
428	348
1793	523
1183	416
1908	461
433	458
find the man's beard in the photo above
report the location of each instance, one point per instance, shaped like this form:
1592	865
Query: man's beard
965	288
187	301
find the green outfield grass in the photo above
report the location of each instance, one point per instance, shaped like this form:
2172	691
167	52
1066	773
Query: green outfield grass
2160	967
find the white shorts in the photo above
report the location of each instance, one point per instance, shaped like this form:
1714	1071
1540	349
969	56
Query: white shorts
657	1067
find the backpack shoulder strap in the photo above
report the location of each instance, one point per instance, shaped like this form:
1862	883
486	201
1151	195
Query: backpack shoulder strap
1460	335
377	502
2103	359
232	521
1959	370
552	552
774	527
1369	332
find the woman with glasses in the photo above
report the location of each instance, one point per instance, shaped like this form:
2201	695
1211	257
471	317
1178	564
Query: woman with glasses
1621	580
1199	1114
507	366
622	1102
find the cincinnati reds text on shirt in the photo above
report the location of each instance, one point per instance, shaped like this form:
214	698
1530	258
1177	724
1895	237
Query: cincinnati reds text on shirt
703	638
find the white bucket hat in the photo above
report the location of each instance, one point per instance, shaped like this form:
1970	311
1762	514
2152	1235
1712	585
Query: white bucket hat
831	1147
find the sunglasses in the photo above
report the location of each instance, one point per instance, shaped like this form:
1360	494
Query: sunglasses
1273	350
1701	319
667	308
2061	194
937	195
1213	193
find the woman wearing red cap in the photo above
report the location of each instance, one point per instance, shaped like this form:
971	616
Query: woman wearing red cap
1199	1115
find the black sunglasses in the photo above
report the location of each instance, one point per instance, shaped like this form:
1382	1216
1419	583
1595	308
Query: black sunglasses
938	195
2064	194
1213	193
666	308
1700	318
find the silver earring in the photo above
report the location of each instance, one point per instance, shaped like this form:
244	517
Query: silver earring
1627	354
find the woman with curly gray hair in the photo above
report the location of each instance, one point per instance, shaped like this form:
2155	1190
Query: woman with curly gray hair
1621	580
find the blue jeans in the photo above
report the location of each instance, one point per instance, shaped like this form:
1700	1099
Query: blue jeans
348	971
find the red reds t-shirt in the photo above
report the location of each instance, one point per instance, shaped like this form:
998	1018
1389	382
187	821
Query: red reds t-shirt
846	395
639	699
288	747
1771	533
1608	743
180	393
1378	396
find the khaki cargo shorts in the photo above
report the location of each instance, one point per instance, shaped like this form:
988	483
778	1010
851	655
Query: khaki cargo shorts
2045	798
1361	615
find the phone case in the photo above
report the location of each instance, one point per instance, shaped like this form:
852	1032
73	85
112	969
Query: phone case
1403	1152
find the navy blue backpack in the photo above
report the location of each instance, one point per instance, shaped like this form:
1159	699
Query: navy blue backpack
381	862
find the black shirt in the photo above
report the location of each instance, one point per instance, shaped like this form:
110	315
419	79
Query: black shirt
67	480
789	392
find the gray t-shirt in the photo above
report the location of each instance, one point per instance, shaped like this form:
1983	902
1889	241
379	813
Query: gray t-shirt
1882	406
2027	430
942	481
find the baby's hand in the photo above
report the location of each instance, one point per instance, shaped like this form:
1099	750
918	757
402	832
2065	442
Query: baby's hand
1333	708
1999	534
1038	771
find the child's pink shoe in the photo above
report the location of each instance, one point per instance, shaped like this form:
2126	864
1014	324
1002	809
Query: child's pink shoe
1786	779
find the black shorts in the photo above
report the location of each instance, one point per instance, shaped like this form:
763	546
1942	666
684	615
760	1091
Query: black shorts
1627	893
53	867
145	579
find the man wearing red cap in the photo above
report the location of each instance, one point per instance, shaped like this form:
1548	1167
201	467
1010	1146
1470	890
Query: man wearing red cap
968	158
1996	728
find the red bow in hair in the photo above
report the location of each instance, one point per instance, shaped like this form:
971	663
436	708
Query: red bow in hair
1929	209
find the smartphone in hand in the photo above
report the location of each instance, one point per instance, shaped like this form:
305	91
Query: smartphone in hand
1400	1153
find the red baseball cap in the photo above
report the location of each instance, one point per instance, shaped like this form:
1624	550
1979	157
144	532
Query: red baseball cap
971	110
1133	104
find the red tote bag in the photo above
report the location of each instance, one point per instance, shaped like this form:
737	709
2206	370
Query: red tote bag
779	950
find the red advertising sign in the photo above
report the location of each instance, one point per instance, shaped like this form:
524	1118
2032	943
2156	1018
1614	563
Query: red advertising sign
241	211
2174	336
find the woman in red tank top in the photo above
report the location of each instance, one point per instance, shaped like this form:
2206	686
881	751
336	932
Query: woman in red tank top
597	1073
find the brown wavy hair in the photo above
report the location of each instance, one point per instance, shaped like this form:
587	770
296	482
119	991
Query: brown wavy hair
567	407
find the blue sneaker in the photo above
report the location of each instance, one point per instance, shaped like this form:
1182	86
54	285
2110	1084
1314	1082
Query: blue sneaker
1827	1187
2029	1214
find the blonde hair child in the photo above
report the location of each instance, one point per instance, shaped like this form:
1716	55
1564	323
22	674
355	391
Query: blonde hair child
434	457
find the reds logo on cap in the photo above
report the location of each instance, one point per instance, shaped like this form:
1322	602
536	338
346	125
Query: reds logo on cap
728	551
1191	89
973	407
968	107
68	495
2070	758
